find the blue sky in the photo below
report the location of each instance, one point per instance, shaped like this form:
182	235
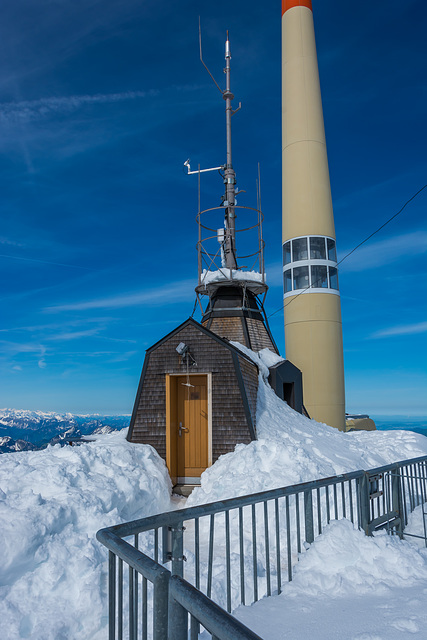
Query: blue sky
101	103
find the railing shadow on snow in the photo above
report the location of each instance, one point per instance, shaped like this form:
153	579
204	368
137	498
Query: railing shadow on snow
202	562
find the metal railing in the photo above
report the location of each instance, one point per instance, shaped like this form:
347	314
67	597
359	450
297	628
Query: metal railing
239	550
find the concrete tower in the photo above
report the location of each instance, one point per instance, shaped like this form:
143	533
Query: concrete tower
313	329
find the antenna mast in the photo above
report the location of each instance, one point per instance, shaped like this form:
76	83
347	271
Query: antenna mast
229	173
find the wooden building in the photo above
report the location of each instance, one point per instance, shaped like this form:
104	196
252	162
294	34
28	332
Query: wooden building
195	405
197	398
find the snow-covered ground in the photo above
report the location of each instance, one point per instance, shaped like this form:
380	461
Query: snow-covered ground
53	573
349	587
291	448
53	580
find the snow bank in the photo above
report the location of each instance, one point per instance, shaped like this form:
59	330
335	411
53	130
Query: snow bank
292	448
348	585
344	561
53	579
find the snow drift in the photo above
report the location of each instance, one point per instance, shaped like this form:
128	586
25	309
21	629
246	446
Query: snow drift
348	585
53	573
292	448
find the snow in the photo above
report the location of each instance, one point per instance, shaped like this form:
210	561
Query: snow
292	448
53	580
52	502
224	274
349	586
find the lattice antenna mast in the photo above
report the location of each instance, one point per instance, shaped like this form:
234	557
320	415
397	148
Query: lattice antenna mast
229	175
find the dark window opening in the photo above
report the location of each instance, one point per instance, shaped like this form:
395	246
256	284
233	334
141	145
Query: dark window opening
289	394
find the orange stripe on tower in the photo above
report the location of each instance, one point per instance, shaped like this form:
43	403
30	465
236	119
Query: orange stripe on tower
288	4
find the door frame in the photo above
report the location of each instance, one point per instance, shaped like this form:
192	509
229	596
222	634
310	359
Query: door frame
172	423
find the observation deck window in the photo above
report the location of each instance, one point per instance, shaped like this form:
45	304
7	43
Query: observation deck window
287	280
287	252
333	277
317	248
301	278
319	276
299	249
332	251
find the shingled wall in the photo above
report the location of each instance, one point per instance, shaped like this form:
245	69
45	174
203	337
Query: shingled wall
230	417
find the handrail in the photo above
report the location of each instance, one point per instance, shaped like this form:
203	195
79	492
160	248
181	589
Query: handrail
170	518
271	527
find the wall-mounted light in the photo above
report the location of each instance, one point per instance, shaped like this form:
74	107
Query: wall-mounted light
182	349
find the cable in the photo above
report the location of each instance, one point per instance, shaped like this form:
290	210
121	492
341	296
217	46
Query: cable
356	247
383	225
194	308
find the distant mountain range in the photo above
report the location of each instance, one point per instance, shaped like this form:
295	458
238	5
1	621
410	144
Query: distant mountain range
22	430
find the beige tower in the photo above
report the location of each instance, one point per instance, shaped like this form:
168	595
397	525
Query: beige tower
313	329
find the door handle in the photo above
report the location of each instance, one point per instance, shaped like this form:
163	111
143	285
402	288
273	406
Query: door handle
181	429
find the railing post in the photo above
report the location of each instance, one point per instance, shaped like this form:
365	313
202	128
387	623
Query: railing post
177	619
308	516
178	550
177	616
111	595
161	607
396	498
363	491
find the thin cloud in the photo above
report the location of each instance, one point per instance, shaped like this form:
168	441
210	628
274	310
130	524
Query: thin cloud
182	290
402	330
74	335
57	264
386	251
11	243
27	110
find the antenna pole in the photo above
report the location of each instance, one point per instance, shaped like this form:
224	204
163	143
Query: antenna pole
229	173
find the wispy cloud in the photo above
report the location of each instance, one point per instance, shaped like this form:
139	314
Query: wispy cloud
57	264
74	335
401	330
27	110
11	243
384	252
181	290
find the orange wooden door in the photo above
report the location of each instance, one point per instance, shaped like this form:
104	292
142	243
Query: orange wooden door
192	421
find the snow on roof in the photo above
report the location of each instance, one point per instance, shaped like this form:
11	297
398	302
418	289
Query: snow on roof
224	274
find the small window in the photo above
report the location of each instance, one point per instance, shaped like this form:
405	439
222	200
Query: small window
287	253
287	280
299	249
317	249
333	278
319	276
301	278
332	252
